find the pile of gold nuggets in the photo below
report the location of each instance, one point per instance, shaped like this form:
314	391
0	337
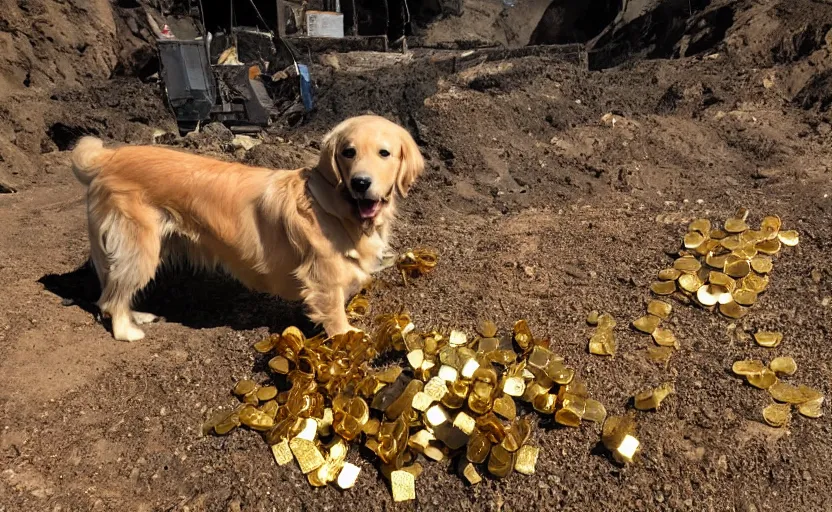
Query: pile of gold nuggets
458	396
456	399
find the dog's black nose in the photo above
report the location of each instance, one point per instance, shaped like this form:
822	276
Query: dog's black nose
360	184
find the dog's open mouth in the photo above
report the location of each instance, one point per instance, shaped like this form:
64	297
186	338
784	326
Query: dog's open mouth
368	208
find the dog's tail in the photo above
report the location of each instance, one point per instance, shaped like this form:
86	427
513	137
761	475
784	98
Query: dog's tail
86	158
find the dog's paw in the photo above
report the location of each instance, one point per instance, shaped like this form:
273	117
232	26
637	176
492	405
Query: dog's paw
144	318
128	333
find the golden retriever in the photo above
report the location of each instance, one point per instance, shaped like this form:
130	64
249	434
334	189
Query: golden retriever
314	234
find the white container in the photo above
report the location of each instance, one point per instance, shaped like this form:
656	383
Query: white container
324	24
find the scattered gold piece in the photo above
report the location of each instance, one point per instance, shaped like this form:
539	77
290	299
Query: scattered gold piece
763	380
663	287
768	339
500	462
745	297
783	365
733	310
244	387
669	274
264	346
647	324
788	238
526	459
416	262
618	438
771	224
735	225
505	407
746	368
665	338
690	282
737	267
348	475
652	398
404	485
282	453
693	239
777	415
358	307
307	454
659	308
595	411
708	295
783	392
769	246
687	264
471	474
761	264
811	408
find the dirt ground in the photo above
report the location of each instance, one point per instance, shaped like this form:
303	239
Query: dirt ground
539	210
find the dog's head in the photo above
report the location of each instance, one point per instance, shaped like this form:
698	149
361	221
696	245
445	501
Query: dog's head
370	159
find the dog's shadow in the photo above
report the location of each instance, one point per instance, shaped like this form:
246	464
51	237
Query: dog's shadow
196	300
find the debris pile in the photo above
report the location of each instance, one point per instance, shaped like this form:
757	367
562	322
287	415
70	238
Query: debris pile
457	399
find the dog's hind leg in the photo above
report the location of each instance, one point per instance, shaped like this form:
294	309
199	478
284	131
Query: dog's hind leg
132	247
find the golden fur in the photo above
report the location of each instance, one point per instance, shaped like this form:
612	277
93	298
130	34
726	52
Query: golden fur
297	234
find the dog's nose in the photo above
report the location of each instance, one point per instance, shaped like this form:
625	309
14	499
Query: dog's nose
360	184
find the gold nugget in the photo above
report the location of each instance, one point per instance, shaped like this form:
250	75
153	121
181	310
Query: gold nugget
777	415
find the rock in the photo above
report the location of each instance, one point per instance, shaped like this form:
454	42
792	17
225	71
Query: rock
244	142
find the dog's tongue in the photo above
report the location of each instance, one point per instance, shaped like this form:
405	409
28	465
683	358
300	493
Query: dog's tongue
368	209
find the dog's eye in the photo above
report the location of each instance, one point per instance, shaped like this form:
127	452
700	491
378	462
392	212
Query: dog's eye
384	153
348	153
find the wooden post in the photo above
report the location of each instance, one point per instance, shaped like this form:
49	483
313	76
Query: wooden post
281	19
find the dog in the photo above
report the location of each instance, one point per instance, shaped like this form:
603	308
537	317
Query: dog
312	234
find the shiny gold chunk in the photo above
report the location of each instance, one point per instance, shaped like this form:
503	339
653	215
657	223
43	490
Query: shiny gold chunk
733	310
788	238
618	437
471	474
745	297
737	267
227	424
606	322
735	225
761	264
282	453
457	338
308	455
716	261
783	392
279	364
545	403
602	343
763	380
669	274
266	393
416	262
403	484
783	365
665	338
526	459
505	407
264	346
436	415
663	287
690	282
754	282
422	401
568	418
708	295
436	388
389	375
522	334
647	324
244	387
748	367
769	246
652	398
479	445
693	239
348	475
594	411
358	307
687	264
465	422
659	308
514	386
811	408
718	234
487	328
500	462
768	339
255	419
770	223
777	415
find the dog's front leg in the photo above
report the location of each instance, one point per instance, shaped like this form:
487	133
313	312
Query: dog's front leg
326	307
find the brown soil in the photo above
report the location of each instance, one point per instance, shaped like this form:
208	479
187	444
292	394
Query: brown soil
539	211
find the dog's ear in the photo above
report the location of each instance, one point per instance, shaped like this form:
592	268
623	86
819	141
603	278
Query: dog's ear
412	164
327	163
